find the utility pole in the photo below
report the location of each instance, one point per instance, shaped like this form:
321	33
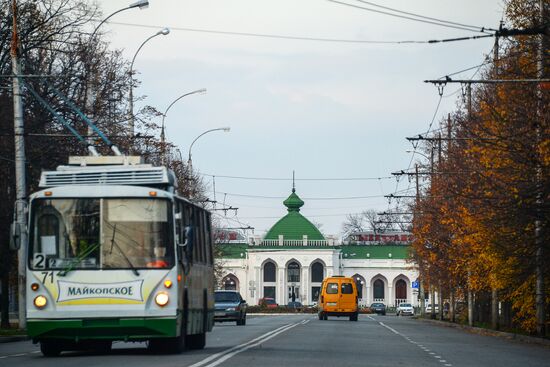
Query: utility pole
20	182
420	267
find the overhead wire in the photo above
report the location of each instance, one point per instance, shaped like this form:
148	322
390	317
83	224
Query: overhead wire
298	179
303	38
480	30
425	17
305	198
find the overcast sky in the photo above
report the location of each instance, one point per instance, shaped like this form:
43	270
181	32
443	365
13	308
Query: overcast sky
324	109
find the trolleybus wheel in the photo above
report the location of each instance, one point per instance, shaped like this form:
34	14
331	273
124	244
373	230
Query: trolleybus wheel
354	317
50	348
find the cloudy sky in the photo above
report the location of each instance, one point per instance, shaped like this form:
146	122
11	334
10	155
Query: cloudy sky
325	109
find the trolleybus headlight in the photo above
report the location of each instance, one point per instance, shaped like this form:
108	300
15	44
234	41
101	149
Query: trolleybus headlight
35	286
40	301
161	299
167	283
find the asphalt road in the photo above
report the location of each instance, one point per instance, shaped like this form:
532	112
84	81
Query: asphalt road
302	340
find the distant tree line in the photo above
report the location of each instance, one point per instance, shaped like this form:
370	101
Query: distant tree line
481	226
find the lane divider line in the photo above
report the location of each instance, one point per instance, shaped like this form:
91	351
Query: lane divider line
226	354
425	349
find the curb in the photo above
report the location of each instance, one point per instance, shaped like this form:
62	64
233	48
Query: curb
487	332
280	314
15	338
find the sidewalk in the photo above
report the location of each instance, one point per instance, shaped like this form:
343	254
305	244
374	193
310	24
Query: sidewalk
16	337
13	338
489	332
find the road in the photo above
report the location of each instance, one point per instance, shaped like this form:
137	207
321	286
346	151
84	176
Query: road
302	340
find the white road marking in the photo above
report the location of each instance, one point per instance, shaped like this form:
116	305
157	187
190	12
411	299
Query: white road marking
220	357
419	345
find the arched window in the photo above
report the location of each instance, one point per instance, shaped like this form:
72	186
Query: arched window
378	288
360	283
269	272
400	290
317	272
230	283
317	275
293	271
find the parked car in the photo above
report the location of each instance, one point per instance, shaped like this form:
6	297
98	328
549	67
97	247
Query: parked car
295	305
405	309
229	306
378	308
267	302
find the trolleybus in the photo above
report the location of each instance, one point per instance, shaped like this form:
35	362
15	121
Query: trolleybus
115	254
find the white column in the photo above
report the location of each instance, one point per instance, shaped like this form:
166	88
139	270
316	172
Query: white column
282	296
258	284
305	285
367	295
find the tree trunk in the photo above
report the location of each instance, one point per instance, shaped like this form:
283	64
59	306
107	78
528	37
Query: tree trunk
440	301
432	297
452	306
494	309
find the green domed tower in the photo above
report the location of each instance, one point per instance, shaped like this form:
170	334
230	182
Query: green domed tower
294	225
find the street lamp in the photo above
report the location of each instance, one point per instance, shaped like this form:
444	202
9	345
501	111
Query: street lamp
162	32
141	4
162	135
189	162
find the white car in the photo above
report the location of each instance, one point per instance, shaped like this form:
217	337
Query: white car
405	309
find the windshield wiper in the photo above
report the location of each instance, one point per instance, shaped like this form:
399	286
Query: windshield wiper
113	242
76	260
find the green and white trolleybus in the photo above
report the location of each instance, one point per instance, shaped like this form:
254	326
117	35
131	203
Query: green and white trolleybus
115	254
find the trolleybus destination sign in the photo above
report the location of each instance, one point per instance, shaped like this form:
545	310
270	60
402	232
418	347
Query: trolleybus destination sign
69	291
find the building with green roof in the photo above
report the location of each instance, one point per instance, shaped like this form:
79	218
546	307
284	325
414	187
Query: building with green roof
290	262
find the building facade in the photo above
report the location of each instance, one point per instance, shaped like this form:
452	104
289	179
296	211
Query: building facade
292	259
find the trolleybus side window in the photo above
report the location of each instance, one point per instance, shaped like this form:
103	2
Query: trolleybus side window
208	247
198	235
179	220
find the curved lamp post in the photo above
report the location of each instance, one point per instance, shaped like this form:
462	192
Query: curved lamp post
198	91
162	32
189	162
141	4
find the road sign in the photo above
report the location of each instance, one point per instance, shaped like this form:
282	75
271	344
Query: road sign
415	284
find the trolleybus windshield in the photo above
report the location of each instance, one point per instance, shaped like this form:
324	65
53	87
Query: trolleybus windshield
121	233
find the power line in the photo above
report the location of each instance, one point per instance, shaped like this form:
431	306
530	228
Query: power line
267	35
425	17
298	179
311	198
480	30
302	38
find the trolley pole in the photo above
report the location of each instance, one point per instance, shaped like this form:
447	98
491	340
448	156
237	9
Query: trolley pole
20	182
